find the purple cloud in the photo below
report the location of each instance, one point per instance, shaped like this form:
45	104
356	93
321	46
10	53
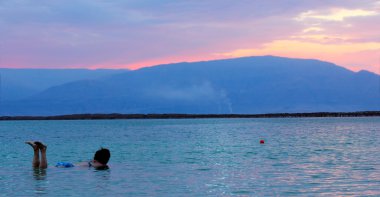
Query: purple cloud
85	33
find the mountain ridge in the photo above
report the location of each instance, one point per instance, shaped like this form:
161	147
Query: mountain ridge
22	83
263	84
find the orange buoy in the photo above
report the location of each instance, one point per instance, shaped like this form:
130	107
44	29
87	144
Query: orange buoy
262	142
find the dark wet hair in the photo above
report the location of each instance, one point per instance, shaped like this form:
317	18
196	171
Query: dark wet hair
102	156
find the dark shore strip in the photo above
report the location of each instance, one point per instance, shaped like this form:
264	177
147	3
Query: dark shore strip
189	116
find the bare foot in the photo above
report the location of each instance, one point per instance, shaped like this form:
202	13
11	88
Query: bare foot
32	144
40	145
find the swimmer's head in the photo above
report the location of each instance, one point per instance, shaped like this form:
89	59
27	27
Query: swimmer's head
102	156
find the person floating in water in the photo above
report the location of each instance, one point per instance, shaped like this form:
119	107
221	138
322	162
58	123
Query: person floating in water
100	160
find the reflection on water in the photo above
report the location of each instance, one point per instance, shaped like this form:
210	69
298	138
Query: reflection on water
223	157
102	175
102	178
40	183
39	174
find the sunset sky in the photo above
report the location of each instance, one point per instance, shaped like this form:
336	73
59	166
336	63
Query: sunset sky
137	33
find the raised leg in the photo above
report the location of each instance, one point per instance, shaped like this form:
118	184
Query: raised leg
36	155
42	147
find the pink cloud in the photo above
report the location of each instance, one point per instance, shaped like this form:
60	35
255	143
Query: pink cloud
99	34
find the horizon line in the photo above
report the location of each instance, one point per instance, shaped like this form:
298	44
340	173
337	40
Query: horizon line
114	116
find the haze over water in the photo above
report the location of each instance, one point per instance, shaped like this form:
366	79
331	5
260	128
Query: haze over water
197	157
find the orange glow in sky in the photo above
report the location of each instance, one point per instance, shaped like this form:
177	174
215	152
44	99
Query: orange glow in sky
97	34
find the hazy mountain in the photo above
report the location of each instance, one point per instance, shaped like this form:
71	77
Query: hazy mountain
22	83
244	85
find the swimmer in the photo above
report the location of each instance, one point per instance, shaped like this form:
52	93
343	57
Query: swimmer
100	160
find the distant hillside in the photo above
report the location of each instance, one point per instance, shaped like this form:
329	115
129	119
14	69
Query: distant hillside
22	83
244	85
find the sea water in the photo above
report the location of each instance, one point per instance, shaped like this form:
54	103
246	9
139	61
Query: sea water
196	157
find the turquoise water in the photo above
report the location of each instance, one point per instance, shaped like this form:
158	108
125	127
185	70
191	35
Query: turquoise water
197	157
